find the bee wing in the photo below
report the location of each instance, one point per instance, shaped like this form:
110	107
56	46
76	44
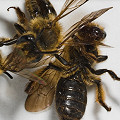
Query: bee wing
85	20
15	61
31	76
41	96
69	3
68	7
44	61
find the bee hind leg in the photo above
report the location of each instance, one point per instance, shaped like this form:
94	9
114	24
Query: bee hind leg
100	97
21	16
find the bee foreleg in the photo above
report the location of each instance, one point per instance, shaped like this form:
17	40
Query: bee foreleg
100	97
101	71
101	58
21	16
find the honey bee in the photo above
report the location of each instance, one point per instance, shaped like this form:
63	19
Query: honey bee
31	39
36	37
73	70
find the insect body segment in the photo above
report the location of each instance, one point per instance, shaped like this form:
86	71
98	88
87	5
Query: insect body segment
71	97
41	8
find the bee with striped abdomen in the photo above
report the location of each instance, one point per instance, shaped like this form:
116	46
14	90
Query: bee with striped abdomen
72	71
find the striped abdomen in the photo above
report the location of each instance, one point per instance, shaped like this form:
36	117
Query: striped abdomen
71	98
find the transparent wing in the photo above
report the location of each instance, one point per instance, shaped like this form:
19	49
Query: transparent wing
15	61
85	20
41	96
31	76
68	7
44	61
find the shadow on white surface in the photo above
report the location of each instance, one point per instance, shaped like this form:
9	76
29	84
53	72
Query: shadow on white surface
9	28
13	96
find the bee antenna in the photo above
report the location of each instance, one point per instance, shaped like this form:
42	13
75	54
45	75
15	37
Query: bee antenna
8	74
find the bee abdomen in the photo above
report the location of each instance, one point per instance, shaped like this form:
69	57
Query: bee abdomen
39	8
71	98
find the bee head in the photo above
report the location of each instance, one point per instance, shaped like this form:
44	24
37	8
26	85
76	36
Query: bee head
26	38
27	42
92	33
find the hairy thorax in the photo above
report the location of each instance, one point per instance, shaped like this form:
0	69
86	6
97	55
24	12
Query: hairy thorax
47	36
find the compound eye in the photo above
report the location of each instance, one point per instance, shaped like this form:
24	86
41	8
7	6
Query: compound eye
96	31
104	35
97	34
26	38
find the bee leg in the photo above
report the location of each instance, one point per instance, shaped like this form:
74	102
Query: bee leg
7	41
101	71
100	95
8	74
101	58
94	51
67	71
52	66
41	8
62	60
72	69
19	28
48	52
21	16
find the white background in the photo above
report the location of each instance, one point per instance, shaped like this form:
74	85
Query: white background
12	96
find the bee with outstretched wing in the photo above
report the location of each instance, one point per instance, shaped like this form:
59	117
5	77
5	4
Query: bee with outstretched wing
68	76
38	37
35	38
